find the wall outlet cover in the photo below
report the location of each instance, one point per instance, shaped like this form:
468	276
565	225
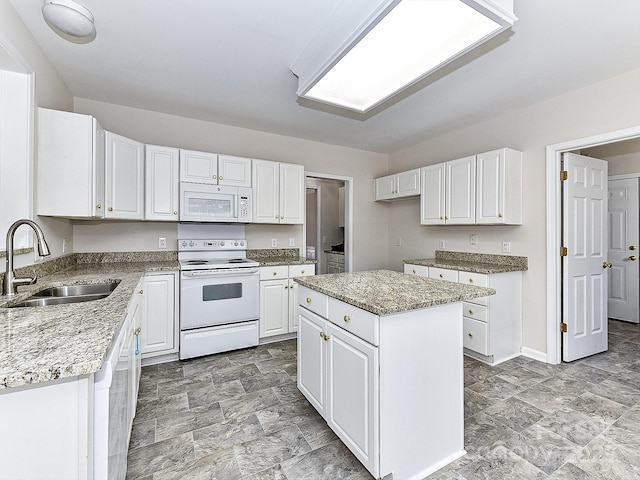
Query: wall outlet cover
473	239
292	242
441	244
506	247
162	242
274	242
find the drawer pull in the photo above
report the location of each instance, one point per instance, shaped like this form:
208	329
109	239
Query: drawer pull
308	300
302	272
414	271
470	280
275	273
347	318
471	334
470	312
441	276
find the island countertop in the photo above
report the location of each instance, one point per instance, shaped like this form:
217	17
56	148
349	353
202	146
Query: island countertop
39	344
385	292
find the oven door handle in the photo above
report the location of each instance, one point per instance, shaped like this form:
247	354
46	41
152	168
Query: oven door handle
222	272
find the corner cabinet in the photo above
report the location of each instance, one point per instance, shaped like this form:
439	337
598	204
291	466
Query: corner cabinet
161	192
278	192
279	298
159	335
70	165
398	186
352	367
448	193
124	178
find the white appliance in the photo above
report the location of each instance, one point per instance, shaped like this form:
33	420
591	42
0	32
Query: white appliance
200	202
219	297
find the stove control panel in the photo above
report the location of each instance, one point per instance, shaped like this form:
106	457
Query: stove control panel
236	244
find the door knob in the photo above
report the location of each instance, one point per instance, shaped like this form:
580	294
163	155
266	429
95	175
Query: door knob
633	258
606	265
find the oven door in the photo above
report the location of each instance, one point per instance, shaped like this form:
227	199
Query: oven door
218	297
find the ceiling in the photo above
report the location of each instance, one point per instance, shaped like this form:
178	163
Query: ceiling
228	62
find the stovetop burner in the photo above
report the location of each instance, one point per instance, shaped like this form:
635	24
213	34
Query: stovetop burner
214	254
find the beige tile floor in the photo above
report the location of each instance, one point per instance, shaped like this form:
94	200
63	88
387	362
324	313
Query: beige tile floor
239	415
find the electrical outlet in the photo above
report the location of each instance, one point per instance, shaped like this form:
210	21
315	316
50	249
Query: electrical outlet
162	242
398	242
506	247
292	242
473	239
441	244
274	242
325	240
64	245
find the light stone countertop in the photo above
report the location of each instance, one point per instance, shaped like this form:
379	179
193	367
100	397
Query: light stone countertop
280	261
474	262
384	292
40	344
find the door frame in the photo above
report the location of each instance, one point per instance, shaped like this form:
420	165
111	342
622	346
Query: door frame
318	239
554	228
348	215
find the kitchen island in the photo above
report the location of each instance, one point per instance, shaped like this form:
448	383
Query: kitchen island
380	358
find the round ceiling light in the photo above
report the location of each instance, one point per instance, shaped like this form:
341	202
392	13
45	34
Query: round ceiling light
69	17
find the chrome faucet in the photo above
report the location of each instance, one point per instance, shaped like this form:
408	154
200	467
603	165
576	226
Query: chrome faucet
10	283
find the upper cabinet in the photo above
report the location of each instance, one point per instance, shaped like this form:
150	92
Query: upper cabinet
398	186
70	165
278	192
124	178
214	169
499	187
448	193
161	170
484	189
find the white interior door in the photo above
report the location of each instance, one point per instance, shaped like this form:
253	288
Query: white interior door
624	302
584	268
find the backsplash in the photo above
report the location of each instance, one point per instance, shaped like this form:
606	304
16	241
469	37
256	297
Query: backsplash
274	253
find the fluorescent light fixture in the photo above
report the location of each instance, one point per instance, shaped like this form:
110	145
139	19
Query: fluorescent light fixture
391	45
69	17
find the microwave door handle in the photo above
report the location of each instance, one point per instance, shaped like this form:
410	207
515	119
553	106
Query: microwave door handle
235	206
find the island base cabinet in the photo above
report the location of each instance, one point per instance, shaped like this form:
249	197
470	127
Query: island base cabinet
397	406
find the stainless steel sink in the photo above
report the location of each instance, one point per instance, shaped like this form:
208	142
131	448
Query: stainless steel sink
68	294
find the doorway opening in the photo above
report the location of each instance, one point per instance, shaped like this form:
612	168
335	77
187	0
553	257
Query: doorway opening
328	232
554	155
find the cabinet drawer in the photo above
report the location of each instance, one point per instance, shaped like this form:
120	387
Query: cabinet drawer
362	324
475	335
420	270
312	300
443	274
477	279
302	270
274	273
475	311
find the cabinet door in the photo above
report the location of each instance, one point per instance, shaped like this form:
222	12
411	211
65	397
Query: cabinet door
408	183
70	173
499	187
198	167
274	307
124	182
296	271
385	187
352	401
460	203
312	358
162	183
132	342
235	171
432	199
266	191
159	326
291	193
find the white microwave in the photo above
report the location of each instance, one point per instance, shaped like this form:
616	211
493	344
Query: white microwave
215	203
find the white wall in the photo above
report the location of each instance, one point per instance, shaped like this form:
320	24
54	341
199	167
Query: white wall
157	128
610	105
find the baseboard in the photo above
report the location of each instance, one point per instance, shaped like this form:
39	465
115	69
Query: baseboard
534	354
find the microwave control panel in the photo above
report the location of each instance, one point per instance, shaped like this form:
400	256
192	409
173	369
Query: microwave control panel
244	207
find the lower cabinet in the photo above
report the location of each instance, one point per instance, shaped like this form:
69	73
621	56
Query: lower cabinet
390	388
159	315
492	325
278	298
335	263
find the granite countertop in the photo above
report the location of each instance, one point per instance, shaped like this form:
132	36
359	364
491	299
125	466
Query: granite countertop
384	292
474	262
335	252
285	260
39	344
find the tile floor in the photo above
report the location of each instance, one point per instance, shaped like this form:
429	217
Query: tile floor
240	416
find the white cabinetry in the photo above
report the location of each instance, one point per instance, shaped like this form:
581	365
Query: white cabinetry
278	192
499	187
448	193
214	169
420	270
278	298
398	185
124	178
352	368
70	165
159	334
161	183
335	263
